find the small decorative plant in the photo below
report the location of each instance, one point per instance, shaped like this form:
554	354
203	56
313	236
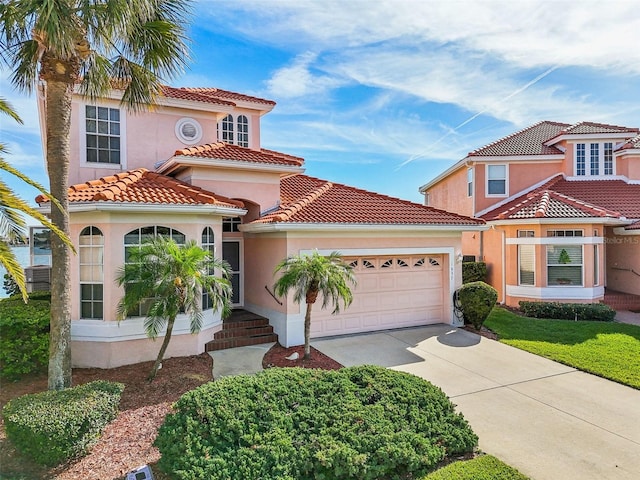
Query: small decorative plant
564	257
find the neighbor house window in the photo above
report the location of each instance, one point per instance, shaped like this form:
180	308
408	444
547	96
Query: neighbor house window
594	159
526	265
564	265
227	129
91	259
243	131
469	182
135	239
497	180
208	244
102	134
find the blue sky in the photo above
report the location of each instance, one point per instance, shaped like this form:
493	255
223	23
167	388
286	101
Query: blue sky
384	95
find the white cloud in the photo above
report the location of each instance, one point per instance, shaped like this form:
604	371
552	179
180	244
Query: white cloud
296	79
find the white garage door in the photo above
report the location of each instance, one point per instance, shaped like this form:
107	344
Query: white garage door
392	292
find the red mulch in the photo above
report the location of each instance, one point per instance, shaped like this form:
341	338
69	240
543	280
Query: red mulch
276	357
484	332
127	442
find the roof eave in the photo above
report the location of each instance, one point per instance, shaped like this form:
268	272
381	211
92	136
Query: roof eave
453	168
359	227
180	161
587	136
103	206
609	221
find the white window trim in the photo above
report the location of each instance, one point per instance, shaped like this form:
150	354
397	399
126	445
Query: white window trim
506	180
470	182
248	117
587	160
582	269
83	139
182	138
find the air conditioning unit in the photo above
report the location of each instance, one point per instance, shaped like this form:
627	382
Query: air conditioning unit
38	278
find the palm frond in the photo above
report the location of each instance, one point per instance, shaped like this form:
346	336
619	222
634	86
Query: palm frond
7	109
10	263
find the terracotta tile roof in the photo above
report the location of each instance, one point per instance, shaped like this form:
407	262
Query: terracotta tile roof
305	199
183	94
225	151
591	127
633	226
529	141
559	198
227	95
143	186
632	143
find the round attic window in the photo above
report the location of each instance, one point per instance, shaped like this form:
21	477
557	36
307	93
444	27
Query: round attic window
188	131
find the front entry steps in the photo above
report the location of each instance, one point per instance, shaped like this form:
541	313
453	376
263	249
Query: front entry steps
241	329
621	301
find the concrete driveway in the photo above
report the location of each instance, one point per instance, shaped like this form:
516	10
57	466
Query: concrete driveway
548	420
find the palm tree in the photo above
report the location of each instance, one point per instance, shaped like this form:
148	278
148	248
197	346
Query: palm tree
167	279
11	209
93	45
310	275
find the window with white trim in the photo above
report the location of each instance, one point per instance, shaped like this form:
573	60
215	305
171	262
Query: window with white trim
91	260
526	265
102	134
231	224
208	244
564	265
497	180
135	239
565	233
469	182
594	159
227	129
188	131
526	233
243	131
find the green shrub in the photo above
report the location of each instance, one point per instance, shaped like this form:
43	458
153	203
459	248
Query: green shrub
474	272
485	467
598	312
476	301
54	426
24	335
361	422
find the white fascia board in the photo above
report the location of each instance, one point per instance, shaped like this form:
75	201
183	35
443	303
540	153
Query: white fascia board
560	221
581	137
187	161
351	227
627	151
555	241
519	158
622	231
514	196
149	208
583	178
456	166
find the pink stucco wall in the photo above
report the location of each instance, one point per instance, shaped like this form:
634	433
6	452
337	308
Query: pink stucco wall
623	255
451	194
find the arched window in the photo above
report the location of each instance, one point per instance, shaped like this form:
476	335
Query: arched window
227	129
91	256
208	243
136	238
243	131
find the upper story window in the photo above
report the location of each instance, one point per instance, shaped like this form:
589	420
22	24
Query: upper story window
188	131
526	233
231	224
102	129
469	182
227	129
91	253
243	131
565	233
497	180
594	159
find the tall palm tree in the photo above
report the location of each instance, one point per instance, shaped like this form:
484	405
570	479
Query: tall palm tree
94	46
11	209
310	275
167	279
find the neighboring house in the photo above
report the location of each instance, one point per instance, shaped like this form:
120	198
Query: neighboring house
193	168
562	203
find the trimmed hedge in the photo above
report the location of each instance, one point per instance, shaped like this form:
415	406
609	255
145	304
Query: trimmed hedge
361	422
477	299
24	335
474	272
484	467
54	426
598	312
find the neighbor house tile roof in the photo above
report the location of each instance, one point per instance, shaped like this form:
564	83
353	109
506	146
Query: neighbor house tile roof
632	143
561	198
143	186
305	199
225	151
212	95
592	127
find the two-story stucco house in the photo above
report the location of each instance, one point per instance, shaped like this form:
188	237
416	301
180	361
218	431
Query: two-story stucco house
562	203
194	168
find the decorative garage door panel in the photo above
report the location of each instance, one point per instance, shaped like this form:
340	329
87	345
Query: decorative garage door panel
392	292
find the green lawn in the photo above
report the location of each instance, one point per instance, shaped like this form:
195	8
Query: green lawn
610	350
485	467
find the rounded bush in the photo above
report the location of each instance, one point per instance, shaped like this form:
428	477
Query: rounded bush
477	299
291	423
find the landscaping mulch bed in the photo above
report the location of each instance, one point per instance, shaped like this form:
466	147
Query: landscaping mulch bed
484	332
276	357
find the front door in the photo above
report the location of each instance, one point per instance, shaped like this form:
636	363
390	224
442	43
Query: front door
232	253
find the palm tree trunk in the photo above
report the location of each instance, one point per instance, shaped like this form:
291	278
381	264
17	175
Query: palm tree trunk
163	349
307	332
58	114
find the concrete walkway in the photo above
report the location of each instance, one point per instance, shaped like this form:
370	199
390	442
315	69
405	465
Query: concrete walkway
627	316
548	420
